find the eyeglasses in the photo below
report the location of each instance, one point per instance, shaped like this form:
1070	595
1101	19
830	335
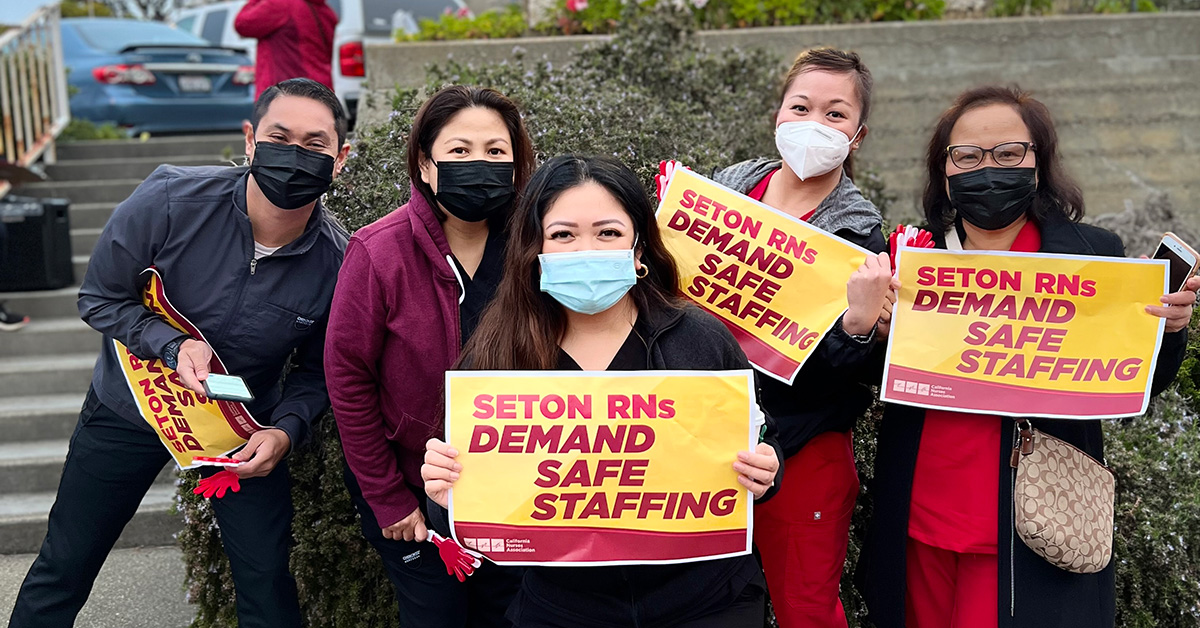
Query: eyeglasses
1008	154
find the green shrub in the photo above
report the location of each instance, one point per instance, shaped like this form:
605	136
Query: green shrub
649	94
84	8
1122	6
604	16
79	129
1012	8
493	24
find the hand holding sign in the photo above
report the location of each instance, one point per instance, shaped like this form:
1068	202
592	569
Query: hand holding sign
756	471
440	471
1177	306
263	452
867	294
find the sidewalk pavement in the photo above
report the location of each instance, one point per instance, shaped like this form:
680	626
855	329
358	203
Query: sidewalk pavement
137	588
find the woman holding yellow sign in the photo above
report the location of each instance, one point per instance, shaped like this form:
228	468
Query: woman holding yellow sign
588	285
944	521
804	533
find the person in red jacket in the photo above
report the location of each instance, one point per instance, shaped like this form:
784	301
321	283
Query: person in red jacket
295	40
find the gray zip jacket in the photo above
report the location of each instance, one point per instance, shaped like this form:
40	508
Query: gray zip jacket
191	225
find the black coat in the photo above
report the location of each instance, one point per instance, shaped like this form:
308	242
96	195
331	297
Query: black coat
1033	593
652	596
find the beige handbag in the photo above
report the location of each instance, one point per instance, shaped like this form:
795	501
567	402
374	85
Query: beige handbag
1062	502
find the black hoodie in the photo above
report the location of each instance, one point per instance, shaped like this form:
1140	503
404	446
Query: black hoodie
649	596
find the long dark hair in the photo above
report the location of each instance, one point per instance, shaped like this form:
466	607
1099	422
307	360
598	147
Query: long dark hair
1057	192
840	61
522	327
436	112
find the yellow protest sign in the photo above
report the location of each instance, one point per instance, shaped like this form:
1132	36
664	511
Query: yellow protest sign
188	424
595	468
1024	334
777	283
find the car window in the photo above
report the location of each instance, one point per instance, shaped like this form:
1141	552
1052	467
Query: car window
214	26
113	35
336	5
377	14
186	24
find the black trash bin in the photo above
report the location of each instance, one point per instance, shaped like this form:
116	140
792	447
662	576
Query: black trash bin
38	254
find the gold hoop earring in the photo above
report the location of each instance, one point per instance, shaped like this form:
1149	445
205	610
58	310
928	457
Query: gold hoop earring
642	272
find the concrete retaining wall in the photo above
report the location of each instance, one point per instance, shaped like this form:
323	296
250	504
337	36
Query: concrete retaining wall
1125	90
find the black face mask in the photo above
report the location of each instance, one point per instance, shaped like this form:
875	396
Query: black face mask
291	176
992	198
475	190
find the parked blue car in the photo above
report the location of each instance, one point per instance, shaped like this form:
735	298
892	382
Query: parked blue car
147	76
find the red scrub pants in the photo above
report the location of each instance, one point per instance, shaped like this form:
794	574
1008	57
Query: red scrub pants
803	531
950	590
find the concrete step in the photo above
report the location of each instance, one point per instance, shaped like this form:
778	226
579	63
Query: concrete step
46	375
223	144
136	588
39	418
84	240
44	303
107	191
136	168
90	216
23	521
79	263
51	336
36	467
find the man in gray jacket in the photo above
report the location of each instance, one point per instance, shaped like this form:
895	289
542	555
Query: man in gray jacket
249	257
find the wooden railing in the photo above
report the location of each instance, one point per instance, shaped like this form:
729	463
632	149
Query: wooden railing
33	94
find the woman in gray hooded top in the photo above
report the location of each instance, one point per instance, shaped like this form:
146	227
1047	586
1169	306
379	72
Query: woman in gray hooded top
803	533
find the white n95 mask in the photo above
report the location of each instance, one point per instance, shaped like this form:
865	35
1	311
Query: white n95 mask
811	149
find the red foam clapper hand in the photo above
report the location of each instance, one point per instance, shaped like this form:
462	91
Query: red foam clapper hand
909	236
217	484
666	170
460	561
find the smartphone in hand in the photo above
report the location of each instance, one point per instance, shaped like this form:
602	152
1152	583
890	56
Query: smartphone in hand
227	388
1183	258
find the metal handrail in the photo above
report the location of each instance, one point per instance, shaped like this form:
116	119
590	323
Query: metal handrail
33	92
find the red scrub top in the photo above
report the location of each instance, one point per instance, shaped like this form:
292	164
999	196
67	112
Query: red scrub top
761	188
956	484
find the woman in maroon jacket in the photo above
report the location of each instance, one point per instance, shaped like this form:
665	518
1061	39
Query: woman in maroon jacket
408	296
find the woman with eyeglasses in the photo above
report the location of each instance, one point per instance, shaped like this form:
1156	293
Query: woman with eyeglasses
940	551
564	304
804	532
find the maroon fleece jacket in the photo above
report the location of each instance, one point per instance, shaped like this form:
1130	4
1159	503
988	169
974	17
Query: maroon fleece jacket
393	333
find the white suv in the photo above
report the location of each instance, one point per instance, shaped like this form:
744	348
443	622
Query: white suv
359	21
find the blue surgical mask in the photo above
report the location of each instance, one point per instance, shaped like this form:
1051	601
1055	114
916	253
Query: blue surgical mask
588	282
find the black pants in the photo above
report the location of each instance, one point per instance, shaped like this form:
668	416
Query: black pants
110	465
426	595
